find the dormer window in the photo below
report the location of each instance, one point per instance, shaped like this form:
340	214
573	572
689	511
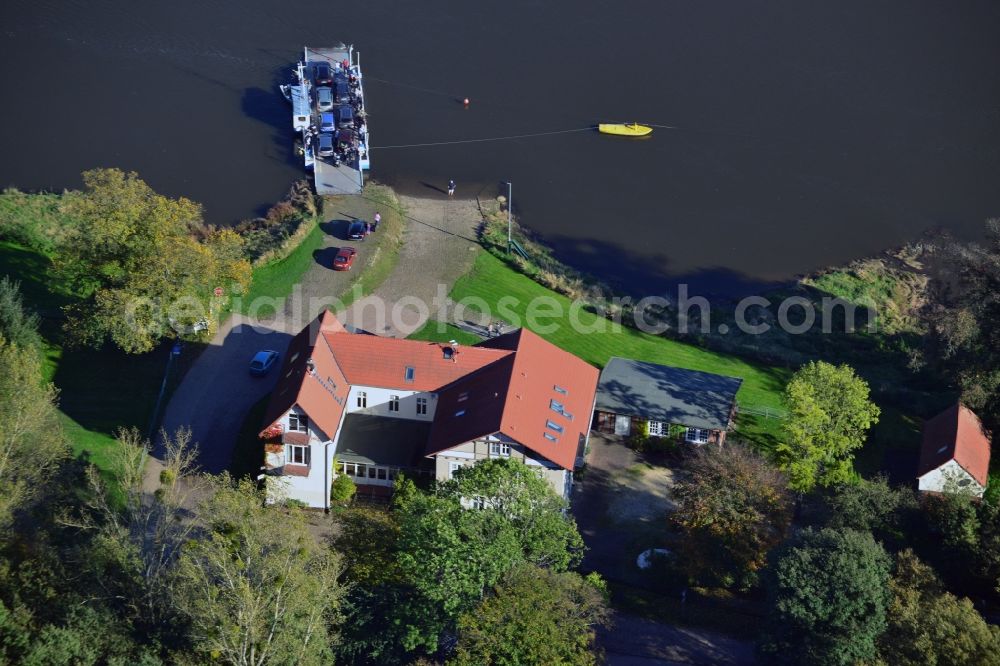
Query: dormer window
409	373
449	353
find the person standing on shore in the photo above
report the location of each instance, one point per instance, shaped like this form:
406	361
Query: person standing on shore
451	188
378	218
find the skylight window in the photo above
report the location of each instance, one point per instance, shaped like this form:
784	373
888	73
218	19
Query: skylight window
409	373
463	396
560	389
550	437
558	408
460	412
552	425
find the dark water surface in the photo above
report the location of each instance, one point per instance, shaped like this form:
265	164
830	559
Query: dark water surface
811	132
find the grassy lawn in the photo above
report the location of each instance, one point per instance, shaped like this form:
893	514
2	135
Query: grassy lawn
276	279
435	331
34	220
491	279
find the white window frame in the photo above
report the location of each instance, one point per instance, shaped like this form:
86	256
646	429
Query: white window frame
393	403
290	454
362	399
453	467
658	428
697	435
298	422
501	449
421	406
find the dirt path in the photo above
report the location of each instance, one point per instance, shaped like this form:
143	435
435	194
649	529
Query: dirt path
438	247
217	392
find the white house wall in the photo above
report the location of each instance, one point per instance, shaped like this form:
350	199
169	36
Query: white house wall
946	477
313	489
472	452
378	402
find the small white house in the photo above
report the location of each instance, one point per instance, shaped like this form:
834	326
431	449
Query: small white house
955	454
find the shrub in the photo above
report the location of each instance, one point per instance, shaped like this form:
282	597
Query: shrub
342	489
275	234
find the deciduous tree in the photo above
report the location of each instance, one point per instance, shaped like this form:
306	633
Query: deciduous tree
31	437
828	595
534	616
144	263
732	508
455	544
929	626
965	328
829	418
255	586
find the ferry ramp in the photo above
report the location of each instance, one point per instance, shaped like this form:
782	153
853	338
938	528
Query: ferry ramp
334	180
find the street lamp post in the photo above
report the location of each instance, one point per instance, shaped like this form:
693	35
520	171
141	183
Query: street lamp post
509	202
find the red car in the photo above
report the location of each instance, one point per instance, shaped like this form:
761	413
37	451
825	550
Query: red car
344	259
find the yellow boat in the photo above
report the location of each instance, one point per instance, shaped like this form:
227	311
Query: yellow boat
623	129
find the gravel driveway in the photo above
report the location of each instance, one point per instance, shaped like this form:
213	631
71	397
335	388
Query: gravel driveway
439	246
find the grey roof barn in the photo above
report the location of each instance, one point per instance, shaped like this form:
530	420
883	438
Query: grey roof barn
662	393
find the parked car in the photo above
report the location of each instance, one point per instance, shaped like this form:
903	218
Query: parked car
326	122
262	362
345	116
325	147
342	90
323	75
344	259
356	231
324	99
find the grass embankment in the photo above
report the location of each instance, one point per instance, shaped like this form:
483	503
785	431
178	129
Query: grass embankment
491	280
277	278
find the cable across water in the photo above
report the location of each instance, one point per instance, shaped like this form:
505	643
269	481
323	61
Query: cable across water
589	128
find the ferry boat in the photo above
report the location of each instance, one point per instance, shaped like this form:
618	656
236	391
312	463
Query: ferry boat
329	114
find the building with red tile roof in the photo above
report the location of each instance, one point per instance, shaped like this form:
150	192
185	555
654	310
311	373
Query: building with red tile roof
955	453
376	406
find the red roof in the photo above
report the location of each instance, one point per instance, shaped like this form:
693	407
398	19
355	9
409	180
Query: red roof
370	360
321	393
956	434
517	384
523	395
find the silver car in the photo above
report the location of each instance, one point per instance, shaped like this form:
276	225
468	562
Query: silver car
325	144
324	99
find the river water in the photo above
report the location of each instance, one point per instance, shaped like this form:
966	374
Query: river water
808	133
